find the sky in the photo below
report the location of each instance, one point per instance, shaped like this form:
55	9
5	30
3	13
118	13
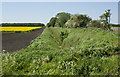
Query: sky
60	0
119	12
41	12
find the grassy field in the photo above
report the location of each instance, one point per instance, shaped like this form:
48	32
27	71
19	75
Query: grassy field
66	51
14	29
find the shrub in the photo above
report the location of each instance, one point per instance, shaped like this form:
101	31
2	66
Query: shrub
94	23
78	21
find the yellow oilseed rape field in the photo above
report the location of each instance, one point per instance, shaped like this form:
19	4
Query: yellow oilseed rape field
18	28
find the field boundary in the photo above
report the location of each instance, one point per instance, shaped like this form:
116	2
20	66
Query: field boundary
16	41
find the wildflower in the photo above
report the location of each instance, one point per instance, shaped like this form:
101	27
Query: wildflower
4	50
33	61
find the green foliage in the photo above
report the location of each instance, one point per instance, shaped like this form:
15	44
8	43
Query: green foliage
105	25
63	35
52	22
62	18
105	18
82	51
73	21
94	23
59	20
78	21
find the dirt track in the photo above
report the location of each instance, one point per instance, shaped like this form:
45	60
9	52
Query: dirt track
16	41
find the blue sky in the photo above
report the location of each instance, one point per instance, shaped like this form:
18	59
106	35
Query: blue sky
43	11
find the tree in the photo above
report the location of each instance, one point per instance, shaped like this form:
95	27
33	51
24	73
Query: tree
78	21
105	19
62	18
52	22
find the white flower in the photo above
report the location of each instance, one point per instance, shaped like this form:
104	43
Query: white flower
33	61
59	62
4	50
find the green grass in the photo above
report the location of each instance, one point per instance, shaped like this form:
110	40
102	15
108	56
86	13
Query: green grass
82	51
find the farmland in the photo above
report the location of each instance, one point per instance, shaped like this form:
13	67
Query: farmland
15	29
12	41
66	51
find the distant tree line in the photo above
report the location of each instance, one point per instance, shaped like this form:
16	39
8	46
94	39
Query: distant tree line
22	24
115	25
78	20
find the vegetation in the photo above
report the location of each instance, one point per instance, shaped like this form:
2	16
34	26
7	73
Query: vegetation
62	18
59	20
105	18
94	23
22	25
66	51
78	21
52	22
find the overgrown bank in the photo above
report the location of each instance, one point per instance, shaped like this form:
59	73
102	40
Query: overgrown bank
66	51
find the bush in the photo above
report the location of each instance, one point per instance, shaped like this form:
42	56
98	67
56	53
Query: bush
78	21
94	23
